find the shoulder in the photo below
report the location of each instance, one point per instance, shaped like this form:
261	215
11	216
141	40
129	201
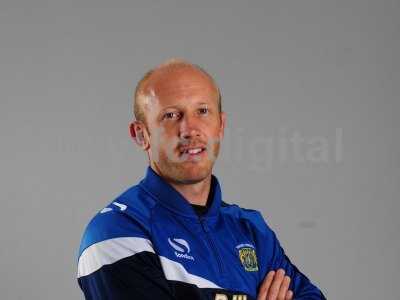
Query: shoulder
128	215
119	230
252	217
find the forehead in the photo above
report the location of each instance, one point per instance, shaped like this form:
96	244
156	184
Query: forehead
180	85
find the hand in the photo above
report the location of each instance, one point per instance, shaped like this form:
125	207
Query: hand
275	287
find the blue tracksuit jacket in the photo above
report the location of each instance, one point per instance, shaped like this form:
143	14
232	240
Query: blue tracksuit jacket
149	243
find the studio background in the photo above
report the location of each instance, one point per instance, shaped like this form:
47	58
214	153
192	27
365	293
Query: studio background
327	71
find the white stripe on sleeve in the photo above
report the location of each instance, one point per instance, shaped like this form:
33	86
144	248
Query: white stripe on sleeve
113	250
110	251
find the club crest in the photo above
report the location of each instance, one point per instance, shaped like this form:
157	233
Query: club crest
248	258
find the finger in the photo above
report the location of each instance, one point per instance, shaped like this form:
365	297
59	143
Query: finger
289	295
284	288
276	284
262	293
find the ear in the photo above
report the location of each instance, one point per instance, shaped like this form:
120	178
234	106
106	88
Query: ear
139	134
222	125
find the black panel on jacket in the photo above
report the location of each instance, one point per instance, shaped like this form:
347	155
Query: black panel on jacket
141	277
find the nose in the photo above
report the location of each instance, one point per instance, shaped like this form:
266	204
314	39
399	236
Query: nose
189	128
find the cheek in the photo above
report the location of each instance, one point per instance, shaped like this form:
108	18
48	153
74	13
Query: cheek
161	134
214	132
166	144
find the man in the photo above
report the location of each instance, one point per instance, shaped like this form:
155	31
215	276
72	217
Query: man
171	236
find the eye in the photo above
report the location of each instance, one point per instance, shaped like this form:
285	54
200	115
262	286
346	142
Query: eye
171	115
203	110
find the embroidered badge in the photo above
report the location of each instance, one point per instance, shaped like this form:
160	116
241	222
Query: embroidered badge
248	258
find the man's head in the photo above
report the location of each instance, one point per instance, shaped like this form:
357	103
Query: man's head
178	111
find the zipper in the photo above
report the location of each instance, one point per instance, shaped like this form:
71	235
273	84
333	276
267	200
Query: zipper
211	244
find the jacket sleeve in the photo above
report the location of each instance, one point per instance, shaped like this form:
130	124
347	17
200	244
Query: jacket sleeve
300	285
136	277
273	257
117	262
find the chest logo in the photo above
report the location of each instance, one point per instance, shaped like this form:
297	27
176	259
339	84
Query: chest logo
248	257
181	247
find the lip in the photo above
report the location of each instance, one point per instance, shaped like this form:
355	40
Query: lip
184	149
192	156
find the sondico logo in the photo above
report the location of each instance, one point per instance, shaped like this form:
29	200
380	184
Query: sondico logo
181	247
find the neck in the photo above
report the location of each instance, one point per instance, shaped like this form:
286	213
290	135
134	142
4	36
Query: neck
194	193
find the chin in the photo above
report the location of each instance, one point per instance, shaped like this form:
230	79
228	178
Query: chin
185	172
190	173
194	174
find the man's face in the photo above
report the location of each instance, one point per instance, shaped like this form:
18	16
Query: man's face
184	124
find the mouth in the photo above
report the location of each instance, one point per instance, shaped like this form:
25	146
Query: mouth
193	153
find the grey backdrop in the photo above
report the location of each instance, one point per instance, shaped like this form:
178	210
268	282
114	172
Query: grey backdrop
325	70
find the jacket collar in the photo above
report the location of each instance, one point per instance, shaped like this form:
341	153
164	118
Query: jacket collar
169	197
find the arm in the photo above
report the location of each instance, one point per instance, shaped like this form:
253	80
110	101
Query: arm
272	257
138	276
300	285
117	262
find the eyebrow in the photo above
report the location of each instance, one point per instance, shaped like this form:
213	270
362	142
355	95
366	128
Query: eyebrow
169	107
177	106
